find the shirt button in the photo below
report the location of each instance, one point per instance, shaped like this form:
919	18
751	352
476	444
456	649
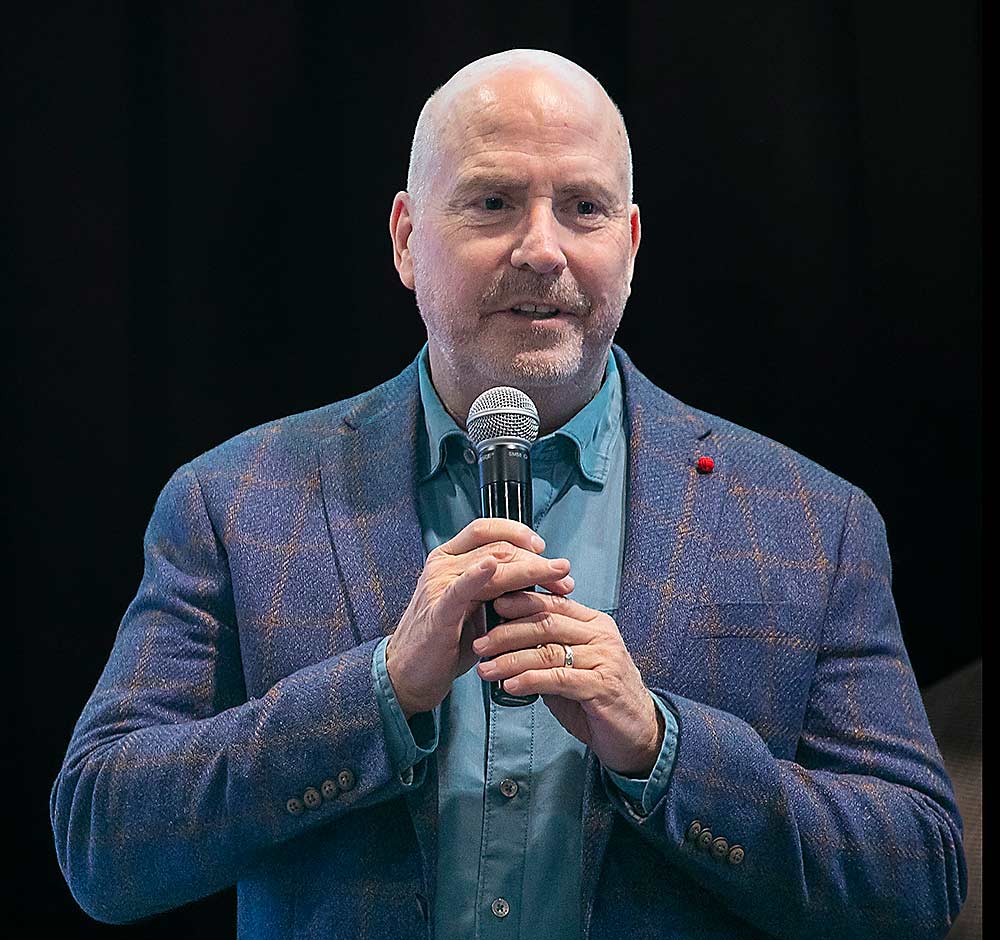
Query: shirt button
694	830
736	854
295	807
500	908
345	780
508	787
470	455
329	789
705	839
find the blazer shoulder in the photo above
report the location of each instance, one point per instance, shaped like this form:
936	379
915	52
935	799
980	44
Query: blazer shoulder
777	482
760	459
746	456
286	447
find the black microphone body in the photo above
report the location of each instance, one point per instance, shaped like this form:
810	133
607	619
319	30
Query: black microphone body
503	424
505	486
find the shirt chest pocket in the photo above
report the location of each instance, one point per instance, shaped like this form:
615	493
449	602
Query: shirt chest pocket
755	661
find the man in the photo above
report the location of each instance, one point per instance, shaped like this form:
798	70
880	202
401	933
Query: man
729	739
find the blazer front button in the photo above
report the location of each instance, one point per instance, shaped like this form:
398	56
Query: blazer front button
705	839
736	855
345	780
694	830
329	789
295	807
311	798
720	848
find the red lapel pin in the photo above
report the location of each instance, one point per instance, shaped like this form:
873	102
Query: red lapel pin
705	465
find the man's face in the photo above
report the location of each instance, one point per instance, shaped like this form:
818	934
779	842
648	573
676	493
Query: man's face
528	204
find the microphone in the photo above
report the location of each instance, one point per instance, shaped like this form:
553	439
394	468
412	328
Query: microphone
502	425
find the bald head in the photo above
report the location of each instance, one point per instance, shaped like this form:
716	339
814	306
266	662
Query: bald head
479	84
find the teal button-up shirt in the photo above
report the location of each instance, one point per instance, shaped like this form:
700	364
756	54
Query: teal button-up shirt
511	788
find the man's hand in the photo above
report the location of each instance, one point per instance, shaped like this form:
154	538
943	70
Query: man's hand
601	699
432	645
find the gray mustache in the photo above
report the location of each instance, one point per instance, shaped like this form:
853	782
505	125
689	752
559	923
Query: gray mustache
564	297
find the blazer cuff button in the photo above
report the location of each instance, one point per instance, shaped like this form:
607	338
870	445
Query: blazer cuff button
720	848
311	798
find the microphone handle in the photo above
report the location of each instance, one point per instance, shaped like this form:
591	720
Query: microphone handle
507	499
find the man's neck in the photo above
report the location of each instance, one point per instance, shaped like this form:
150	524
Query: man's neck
556	404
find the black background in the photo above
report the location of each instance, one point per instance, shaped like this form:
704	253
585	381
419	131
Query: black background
200	209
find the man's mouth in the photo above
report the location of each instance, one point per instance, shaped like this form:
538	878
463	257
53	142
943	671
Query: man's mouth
536	311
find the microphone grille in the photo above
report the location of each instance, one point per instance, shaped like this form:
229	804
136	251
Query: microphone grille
502	412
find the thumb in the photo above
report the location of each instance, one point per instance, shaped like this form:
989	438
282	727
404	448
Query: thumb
465	591
473	627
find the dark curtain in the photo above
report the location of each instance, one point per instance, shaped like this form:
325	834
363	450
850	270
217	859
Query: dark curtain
200	243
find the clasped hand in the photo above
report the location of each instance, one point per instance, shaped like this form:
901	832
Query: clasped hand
601	699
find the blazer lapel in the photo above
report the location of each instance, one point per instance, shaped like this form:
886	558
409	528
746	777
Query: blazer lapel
369	488
672	512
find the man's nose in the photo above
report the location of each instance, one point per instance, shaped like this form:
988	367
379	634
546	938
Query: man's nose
539	248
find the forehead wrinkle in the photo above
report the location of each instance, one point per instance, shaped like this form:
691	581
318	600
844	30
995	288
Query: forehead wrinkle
565	170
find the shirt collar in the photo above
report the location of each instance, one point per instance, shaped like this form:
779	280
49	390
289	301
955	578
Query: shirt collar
592	430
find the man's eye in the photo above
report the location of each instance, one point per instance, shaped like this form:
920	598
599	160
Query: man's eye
493	203
586	208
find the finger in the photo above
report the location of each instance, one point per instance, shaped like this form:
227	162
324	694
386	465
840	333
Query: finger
519	604
525	571
531	631
548	656
560	587
580	685
483	531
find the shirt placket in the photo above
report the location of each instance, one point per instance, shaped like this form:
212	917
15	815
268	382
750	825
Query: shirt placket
510	741
508	767
506	810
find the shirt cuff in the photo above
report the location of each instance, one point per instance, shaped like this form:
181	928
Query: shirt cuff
408	742
646	793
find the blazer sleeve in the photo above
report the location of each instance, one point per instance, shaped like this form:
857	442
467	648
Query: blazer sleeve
173	783
860	836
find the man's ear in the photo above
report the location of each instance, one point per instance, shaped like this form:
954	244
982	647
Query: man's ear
400	229
635	231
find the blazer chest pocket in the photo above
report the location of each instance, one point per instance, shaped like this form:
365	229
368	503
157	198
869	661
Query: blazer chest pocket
755	661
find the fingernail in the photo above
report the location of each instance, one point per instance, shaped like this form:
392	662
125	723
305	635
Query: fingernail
480	644
569	582
557	564
538	543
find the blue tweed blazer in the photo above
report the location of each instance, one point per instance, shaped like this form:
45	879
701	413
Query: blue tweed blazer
234	736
